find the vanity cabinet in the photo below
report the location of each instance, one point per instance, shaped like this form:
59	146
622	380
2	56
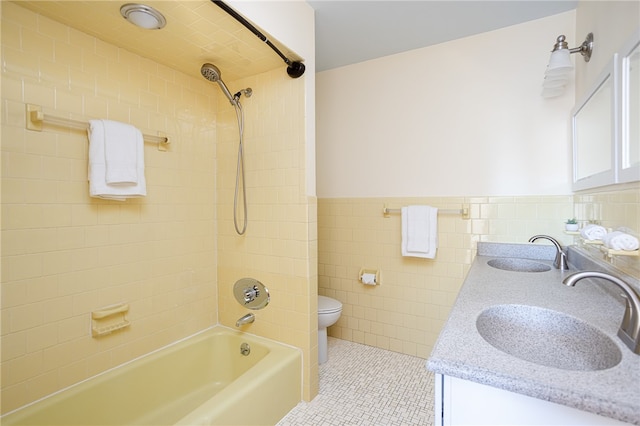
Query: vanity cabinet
462	402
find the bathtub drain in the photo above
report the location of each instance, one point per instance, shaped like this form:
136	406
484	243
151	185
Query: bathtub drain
245	349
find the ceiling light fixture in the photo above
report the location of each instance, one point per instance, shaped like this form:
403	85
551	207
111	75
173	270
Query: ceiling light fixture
143	16
556	76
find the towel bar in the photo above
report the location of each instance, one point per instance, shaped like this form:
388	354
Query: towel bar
35	118
464	212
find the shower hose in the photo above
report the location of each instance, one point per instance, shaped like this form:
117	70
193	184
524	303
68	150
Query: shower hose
240	174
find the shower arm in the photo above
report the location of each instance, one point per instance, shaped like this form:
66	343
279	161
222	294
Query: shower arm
295	69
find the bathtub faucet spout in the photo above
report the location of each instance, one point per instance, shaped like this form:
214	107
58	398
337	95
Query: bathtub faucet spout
246	319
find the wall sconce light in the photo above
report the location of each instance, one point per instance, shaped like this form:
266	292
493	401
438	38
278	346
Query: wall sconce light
556	76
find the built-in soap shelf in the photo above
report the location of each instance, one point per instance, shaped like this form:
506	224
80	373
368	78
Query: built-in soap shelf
109	319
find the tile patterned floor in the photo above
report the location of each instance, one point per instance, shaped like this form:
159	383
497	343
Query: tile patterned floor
363	385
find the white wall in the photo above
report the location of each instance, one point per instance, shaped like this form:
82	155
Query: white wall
612	23
456	119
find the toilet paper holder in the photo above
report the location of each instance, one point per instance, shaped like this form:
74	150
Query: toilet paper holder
369	276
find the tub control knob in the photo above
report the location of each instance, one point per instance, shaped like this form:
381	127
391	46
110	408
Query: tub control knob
251	293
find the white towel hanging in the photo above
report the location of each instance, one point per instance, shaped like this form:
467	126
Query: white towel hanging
120	153
419	231
116	161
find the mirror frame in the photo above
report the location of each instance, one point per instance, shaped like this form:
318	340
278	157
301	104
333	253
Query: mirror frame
608	176
629	174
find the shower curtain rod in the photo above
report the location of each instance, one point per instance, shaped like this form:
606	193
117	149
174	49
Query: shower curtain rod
295	69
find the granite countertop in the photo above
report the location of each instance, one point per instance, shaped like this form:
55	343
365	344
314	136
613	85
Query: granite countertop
463	353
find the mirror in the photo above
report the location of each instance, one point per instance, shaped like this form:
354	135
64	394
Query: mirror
629	169
594	133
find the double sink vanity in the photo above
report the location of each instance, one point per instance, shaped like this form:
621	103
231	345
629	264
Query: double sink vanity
520	347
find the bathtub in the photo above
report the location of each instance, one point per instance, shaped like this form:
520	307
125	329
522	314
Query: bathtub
201	380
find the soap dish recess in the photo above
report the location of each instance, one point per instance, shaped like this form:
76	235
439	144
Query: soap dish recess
109	319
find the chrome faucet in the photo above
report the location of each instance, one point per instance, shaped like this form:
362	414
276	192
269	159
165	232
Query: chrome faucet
629	331
560	262
246	319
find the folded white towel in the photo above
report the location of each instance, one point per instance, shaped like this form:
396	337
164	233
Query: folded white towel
419	231
618	240
126	177
593	232
120	152
418	228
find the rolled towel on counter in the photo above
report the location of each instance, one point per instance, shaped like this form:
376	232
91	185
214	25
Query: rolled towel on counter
593	232
618	240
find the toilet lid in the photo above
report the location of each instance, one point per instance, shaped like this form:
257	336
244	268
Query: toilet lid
328	305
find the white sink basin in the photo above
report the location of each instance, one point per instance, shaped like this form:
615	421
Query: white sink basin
547	337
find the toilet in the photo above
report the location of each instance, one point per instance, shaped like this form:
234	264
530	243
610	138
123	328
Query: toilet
329	311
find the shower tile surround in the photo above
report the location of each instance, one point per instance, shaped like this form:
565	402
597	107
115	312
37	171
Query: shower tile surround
172	255
406	312
280	247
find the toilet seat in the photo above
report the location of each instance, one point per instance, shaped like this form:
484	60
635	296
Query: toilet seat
327	305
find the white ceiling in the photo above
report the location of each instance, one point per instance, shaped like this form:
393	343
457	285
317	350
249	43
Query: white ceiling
349	31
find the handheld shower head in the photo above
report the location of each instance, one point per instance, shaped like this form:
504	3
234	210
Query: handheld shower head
212	73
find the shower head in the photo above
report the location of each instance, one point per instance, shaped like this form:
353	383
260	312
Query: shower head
212	73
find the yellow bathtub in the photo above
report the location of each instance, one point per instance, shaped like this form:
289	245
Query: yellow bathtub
202	380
